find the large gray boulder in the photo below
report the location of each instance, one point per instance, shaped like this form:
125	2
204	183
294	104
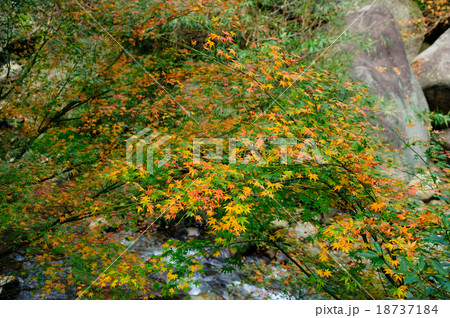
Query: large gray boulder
432	68
385	69
406	12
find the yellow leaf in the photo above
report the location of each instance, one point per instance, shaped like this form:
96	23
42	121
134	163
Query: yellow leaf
171	276
114	283
232	51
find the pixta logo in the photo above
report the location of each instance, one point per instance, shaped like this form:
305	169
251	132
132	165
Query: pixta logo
145	143
255	149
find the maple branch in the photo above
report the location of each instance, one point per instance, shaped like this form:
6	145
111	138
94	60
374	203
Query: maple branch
239	71
329	292
30	64
51	226
114	186
55	118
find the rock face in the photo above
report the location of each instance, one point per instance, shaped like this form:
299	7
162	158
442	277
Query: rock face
413	34
303	230
432	68
386	71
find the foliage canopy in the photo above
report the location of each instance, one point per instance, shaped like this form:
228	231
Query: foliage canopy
95	75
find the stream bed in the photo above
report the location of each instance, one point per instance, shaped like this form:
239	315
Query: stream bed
212	284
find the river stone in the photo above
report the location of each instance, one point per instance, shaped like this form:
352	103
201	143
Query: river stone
424	187
432	68
192	232
9	287
10	72
97	222
303	230
327	218
279	224
385	69
438	203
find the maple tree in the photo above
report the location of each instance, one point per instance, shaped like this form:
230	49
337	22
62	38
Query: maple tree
96	74
435	12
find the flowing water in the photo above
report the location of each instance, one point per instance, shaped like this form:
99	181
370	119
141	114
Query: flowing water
213	283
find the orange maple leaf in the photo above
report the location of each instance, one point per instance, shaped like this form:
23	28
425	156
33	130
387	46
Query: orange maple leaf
376	206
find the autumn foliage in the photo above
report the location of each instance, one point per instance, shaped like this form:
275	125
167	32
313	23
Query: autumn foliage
435	12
